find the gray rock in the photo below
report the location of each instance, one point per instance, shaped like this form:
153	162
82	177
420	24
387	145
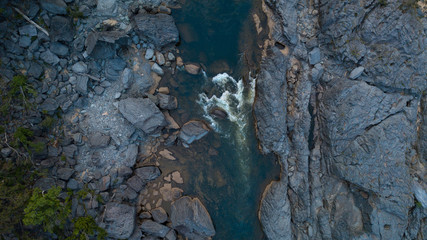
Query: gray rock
149	54
104	183
142	80
70	150
98	140
124	172
24	41
54	6
44	184
126	78
154	229
103	50
113	68
143	114
420	193
135	183
314	56
148	173
191	219
79	67
49	58
158	29
61	29
81	84
356	72
167	101
73	184
128	157
59	49
35	70
192	131
171	57
159	215
65	173
98	90
6	152
160	58
157	69
49	105
119	220
107	7
171	235
28	30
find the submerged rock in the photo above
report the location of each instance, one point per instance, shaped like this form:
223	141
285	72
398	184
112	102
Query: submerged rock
143	114
191	219
192	131
158	29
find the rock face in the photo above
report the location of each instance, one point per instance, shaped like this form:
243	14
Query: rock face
119	220
191	219
143	114
192	131
345	122
158	29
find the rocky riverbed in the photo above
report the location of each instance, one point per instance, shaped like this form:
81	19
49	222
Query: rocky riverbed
340	103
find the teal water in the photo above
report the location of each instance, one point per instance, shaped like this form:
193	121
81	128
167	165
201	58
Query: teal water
224	169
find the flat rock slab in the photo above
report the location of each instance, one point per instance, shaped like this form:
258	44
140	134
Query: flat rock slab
158	29
119	220
143	114
192	131
190	218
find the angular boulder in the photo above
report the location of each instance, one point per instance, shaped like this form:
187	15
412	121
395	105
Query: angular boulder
158	29
61	29
143	114
119	220
191	219
192	131
54	6
154	229
148	173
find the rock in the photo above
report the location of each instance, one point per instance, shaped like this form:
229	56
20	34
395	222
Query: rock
6	152
35	70
61	29
28	30
65	173
148	173
54	6
59	49
49	58
167	102
167	154
154	229
113	68
126	78
106	7
171	57
192	131
420	193
24	41
143	114
191	219
124	172
81	84
160	58
44	184
49	105
157	69
73	184
135	183
159	29
179	62
159	215
103	50
171	235
142	80
129	155
149	54
218	113
314	56
97	140
79	67
192	68
356	72
119	220
164	90
176	177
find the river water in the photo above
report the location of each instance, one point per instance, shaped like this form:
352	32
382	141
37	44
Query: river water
224	170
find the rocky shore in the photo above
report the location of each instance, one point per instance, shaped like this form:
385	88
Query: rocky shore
341	103
96	77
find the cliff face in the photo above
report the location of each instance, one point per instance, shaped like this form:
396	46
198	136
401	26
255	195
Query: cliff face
341	102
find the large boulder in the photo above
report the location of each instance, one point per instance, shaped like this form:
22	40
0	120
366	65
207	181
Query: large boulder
143	114
158	29
192	131
191	219
61	29
148	173
154	229
119	220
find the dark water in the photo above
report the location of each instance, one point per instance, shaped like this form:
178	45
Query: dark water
224	169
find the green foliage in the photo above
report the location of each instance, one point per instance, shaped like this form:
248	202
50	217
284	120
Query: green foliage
48	122
19	86
75	12
2	130
47	210
23	136
85	227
